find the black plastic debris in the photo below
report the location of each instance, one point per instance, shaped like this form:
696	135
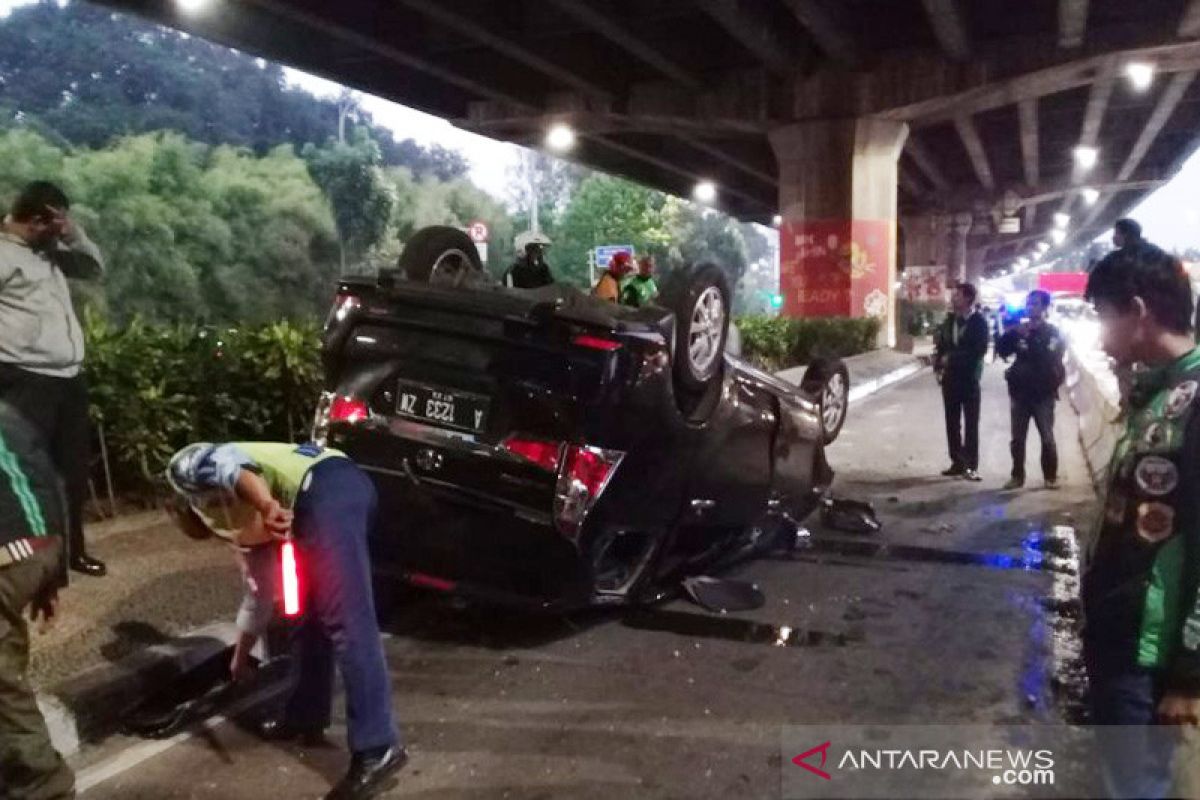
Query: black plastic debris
849	516
722	594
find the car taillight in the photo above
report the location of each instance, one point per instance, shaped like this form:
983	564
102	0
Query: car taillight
596	343
585	473
290	579
537	451
348	409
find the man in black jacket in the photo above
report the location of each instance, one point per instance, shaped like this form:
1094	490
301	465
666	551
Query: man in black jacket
1033	382
961	344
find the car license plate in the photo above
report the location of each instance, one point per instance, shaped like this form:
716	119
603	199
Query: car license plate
446	408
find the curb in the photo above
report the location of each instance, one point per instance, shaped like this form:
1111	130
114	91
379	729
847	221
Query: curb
86	706
887	379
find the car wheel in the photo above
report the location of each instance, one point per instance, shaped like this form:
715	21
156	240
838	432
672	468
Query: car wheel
828	381
700	299
441	255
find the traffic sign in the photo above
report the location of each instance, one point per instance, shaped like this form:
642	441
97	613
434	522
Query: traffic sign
605	252
478	232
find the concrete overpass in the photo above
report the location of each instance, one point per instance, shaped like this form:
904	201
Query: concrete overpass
865	124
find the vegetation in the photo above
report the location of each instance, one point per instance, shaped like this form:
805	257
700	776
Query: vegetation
776	343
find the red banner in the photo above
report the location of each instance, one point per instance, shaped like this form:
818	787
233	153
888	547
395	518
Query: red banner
1063	282
835	268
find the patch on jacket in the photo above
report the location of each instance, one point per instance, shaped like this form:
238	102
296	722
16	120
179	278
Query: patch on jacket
1156	476
1155	521
1180	398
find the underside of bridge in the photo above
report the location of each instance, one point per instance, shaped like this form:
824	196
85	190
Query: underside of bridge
793	107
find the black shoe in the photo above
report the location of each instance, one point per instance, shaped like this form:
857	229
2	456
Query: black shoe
972	476
954	472
369	775
278	730
89	566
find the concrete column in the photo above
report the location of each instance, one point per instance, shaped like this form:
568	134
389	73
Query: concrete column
837	195
961	229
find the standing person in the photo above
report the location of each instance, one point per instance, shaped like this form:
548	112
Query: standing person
32	522
1033	382
609	286
1127	233
641	290
961	344
41	342
530	270
253	493
1140	599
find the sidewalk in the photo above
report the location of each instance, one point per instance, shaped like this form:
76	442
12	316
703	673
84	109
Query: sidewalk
869	372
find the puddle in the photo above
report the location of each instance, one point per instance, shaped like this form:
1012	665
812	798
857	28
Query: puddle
1030	559
733	629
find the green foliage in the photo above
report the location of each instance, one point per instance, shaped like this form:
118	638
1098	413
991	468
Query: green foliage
349	173
190	232
608	210
91	76
776	343
154	388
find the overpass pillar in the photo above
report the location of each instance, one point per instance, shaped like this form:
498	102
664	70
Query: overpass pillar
837	196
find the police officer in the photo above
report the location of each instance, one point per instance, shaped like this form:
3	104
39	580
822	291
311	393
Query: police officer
1033	382
242	490
32	567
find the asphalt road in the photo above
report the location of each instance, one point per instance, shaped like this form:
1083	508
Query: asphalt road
946	624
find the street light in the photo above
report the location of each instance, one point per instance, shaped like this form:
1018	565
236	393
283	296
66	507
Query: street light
1140	74
560	137
192	6
705	191
777	220
1086	157
1090	195
1062	220
1058	235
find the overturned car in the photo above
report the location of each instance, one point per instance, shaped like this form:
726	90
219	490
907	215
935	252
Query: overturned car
543	447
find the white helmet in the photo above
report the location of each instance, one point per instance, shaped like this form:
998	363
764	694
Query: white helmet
527	238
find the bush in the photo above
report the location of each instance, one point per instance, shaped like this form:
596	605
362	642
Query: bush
775	343
156	388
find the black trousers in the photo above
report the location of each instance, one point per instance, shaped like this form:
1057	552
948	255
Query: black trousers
962	402
1042	413
59	409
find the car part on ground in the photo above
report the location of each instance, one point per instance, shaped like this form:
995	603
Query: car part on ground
828	380
849	516
723	595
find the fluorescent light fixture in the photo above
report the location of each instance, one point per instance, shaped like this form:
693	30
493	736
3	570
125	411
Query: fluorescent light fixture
1058	235
1140	74
1086	157
777	220
1090	195
1062	220
705	191
560	137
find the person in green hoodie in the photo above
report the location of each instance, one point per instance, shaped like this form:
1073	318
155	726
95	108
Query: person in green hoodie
640	290
1139	589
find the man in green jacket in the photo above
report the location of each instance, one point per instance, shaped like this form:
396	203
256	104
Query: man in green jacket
1141	605
32	567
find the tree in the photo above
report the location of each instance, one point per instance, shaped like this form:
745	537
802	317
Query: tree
608	210
349	173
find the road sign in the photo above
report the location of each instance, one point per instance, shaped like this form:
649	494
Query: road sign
605	252
478	232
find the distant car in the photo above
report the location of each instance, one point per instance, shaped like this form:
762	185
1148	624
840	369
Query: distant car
546	448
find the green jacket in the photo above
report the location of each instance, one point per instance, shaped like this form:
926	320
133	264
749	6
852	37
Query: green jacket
639	291
1140	587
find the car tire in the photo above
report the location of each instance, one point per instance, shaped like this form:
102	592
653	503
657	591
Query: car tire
828	381
700	298
441	255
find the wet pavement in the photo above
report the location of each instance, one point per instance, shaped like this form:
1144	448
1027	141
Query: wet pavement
958	612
